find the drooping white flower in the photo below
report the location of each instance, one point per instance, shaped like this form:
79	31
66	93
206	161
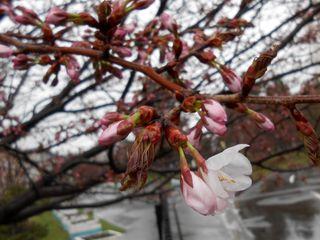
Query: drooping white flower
231	168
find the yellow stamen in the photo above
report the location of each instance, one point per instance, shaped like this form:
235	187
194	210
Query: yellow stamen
229	180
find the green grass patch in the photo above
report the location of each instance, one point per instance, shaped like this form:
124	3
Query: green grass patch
55	230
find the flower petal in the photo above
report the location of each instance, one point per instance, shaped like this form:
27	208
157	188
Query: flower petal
212	180
199	197
235	183
224	158
239	165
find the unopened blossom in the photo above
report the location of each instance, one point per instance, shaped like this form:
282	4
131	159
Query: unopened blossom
267	124
167	21
57	16
215	111
5	51
261	120
120	33
122	51
21	62
115	132
214	127
198	196
110	118
23	20
231	79
27	17
73	68
194	136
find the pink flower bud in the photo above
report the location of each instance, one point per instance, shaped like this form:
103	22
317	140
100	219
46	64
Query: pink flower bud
215	127
198	196
110	118
57	16
194	136
120	33
264	122
115	132
21	62
166	21
215	111
231	79
22	20
122	51
29	12
5	8
73	69
5	51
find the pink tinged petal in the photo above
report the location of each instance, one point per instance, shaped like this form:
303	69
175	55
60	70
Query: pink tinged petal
222	204
199	197
215	127
212	180
110	135
194	137
5	51
215	111
224	158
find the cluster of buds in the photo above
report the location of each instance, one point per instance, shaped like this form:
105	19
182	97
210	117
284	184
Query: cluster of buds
109	14
212	114
27	17
311	140
148	135
58	16
118	126
209	190
167	22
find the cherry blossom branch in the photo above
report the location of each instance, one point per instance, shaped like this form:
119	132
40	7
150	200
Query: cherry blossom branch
40	48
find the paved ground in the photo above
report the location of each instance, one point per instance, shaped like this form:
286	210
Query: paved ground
286	211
